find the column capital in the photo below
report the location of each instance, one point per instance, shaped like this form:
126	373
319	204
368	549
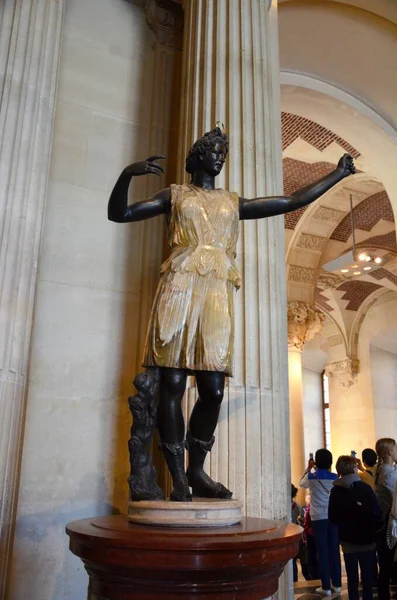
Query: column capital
165	18
345	371
304	322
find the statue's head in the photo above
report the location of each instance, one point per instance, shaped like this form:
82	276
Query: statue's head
208	153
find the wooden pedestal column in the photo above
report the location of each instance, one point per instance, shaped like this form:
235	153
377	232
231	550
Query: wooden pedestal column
130	562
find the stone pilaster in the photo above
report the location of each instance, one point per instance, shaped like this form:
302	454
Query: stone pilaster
304	322
343	371
351	406
230	74
165	18
30	34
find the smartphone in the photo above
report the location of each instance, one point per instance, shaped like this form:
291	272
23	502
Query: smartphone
353	453
311	456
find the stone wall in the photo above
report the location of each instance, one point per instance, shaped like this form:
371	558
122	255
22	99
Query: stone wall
384	390
85	351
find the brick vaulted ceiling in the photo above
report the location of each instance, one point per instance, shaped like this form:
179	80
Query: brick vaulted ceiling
294	127
367	214
355	292
297	174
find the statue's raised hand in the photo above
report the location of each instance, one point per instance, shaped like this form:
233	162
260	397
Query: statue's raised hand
145	167
346	164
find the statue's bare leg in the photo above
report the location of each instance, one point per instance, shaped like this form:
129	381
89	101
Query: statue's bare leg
200	437
171	428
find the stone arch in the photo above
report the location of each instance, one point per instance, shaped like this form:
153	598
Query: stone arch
369	302
350	119
309	240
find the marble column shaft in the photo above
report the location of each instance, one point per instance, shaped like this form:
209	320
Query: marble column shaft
304	323
230	74
30	34
297	432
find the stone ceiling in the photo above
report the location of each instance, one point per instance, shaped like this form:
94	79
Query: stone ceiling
310	152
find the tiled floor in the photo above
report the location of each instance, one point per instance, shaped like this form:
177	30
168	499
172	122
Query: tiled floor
306	590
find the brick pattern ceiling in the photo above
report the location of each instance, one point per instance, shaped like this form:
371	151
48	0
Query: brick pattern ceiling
322	301
356	292
294	127
384	274
366	215
386	241
297	174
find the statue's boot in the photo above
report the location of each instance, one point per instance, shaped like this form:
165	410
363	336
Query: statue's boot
202	485
174	455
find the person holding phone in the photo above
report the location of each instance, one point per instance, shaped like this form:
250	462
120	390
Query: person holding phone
319	479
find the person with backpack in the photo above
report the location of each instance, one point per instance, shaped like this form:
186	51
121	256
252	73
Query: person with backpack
353	507
319	479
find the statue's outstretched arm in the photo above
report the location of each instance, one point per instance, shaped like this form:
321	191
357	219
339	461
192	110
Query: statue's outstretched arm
257	208
118	208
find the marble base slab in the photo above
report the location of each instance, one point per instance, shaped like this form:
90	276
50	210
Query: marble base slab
201	512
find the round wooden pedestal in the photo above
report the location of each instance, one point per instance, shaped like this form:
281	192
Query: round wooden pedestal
140	562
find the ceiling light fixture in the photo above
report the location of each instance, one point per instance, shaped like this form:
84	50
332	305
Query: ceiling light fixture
352	262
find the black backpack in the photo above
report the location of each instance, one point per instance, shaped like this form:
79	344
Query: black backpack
361	505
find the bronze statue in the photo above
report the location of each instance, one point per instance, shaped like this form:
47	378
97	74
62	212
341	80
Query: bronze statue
191	329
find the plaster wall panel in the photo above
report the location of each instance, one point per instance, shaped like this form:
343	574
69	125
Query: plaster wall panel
85	348
78	250
384	390
308	45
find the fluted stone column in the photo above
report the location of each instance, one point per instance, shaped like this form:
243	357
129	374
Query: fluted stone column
167	24
30	34
166	20
304	322
230	74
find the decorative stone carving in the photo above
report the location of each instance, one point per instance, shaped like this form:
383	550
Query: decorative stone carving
311	242
166	20
142	479
304	322
330	281
335	340
300	274
329	214
344	370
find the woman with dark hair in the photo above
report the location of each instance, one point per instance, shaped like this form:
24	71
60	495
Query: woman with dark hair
191	329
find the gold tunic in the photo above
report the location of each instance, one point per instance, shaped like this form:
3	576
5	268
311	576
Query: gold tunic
192	320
